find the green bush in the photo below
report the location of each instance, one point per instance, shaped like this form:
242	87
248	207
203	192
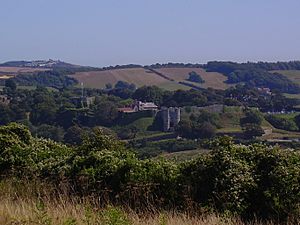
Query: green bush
254	180
282	123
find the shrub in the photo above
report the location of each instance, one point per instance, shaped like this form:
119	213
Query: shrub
282	123
244	180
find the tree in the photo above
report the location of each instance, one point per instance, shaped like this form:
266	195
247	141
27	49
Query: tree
252	116
252	130
194	77
205	130
282	123
184	128
189	129
149	94
108	86
6	114
11	84
297	121
105	113
205	116
74	135
50	132
128	132
124	85
44	108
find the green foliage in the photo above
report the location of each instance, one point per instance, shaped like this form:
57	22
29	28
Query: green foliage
297	121
202	126
75	134
282	123
149	94
129	132
49	78
252	130
194	77
153	149
105	113
124	85
50	132
255	75
22	154
108	86
115	216
41	214
6	114
252	116
245	180
11	84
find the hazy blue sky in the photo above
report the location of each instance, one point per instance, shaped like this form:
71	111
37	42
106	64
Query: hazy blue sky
108	32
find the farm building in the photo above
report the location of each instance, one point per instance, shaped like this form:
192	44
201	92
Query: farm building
139	106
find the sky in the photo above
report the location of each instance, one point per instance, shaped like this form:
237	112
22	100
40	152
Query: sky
117	32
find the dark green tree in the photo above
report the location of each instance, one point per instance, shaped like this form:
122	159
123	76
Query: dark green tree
252	116
252	130
194	77
11	84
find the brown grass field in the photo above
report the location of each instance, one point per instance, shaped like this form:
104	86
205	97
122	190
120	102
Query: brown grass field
140	77
20	69
9	72
212	79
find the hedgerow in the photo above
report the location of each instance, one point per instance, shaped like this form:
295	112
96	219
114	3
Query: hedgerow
254	180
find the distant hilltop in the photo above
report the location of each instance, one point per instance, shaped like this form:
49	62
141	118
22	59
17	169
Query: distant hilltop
219	75
39	64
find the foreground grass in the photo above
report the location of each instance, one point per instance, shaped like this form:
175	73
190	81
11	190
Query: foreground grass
30	202
67	213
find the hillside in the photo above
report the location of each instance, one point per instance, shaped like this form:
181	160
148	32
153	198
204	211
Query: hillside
39	64
7	72
166	78
293	75
212	79
282	76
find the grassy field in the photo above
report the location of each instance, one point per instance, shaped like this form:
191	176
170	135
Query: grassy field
138	76
141	76
295	96
8	72
183	155
212	79
30	88
71	213
289	116
229	120
28	203
293	75
173	86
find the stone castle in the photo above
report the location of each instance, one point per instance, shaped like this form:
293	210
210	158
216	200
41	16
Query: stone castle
171	118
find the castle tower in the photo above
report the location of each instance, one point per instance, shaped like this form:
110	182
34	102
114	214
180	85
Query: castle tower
166	119
171	118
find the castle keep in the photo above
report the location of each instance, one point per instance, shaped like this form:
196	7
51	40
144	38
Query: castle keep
171	118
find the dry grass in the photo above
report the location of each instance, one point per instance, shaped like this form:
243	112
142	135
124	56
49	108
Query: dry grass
20	69
9	72
62	212
138	76
4	76
212	79
25	203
